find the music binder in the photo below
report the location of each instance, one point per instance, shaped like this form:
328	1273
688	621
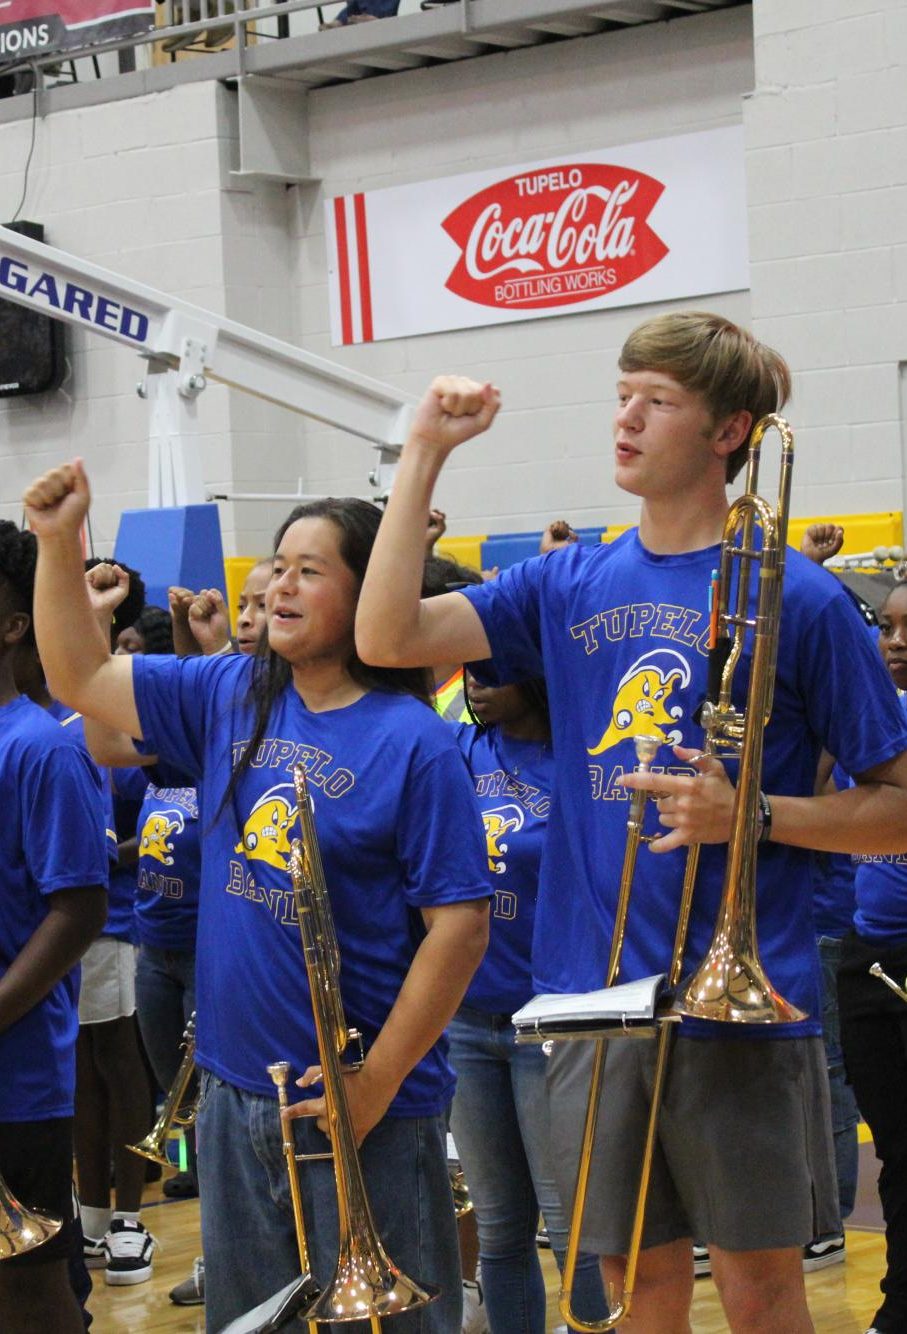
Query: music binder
631	1008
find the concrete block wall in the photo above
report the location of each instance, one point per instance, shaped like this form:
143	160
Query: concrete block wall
549	453
140	187
143	186
826	136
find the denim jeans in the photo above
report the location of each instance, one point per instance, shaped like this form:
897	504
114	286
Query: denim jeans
379	9
500	1123
164	1000
248	1233
844	1112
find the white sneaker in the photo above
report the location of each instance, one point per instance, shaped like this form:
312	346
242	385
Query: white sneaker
702	1261
129	1248
474	1321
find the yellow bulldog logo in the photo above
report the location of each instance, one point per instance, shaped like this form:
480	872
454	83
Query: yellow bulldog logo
266	832
640	707
503	820
158	829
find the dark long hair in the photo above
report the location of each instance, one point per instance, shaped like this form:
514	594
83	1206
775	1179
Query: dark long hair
357	524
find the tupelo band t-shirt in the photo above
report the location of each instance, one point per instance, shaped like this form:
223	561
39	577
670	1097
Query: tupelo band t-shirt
621	637
398	830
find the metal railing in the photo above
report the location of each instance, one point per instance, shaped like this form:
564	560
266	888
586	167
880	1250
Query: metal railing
189	21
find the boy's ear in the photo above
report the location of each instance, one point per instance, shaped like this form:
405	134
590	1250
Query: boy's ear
14	627
733	431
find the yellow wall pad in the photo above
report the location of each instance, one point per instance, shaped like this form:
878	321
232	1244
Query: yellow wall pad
862	532
864	1134
236	568
464	550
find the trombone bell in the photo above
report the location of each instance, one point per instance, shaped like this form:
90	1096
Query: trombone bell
22	1229
732	987
362	1290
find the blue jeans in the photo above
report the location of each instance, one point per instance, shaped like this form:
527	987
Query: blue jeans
844	1112
500	1123
248	1233
379	9
164	1000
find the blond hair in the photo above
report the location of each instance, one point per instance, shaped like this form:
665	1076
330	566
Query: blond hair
711	356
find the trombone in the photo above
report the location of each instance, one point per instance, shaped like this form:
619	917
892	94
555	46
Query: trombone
730	985
366	1284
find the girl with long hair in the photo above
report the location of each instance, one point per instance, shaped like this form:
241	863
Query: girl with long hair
403	853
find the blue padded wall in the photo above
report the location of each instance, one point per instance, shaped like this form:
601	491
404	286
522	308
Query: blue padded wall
504	549
178	545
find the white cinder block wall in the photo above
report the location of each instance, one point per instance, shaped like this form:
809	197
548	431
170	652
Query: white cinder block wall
826	134
549	453
141	186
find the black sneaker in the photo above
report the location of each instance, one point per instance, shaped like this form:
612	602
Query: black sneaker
93	1252
702	1261
191	1292
129	1248
181	1187
820	1254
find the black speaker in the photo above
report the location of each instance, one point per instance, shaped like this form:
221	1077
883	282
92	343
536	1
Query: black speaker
32	358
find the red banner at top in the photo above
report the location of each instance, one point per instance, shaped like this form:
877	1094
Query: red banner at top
33	27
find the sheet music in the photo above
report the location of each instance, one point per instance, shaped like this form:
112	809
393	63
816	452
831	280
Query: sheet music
633	1002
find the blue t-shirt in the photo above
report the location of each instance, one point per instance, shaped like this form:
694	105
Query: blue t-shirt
513	784
76	725
121	885
169	869
881	893
52	837
620	635
398	830
834	894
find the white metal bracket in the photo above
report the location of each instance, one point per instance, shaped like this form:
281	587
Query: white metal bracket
193	355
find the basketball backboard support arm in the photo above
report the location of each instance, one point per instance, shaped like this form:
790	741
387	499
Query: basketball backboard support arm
185	347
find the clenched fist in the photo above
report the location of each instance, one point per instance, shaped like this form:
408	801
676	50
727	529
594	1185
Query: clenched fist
56	504
453	410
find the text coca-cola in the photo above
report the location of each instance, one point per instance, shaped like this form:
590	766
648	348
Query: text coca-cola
555	237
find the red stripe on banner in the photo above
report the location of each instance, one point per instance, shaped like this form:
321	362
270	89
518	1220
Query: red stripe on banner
343	270
365	286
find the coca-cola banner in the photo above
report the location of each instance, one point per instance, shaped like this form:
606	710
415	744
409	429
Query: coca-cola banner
653	221
33	27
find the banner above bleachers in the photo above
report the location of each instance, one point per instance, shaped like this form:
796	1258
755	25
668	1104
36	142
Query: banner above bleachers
660	220
32	27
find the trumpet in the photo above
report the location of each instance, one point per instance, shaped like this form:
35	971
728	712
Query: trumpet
366	1284
175	1111
22	1229
878	971
730	985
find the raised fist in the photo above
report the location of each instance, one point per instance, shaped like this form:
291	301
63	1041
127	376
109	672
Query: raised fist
56	504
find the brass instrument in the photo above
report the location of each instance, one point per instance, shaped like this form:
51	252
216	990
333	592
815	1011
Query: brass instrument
175	1111
366	1284
22	1229
878	971
459	1188
731	984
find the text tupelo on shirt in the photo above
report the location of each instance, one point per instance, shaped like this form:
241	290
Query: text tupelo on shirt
81	302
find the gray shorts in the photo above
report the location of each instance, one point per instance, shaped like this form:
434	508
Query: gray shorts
744	1158
108	981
